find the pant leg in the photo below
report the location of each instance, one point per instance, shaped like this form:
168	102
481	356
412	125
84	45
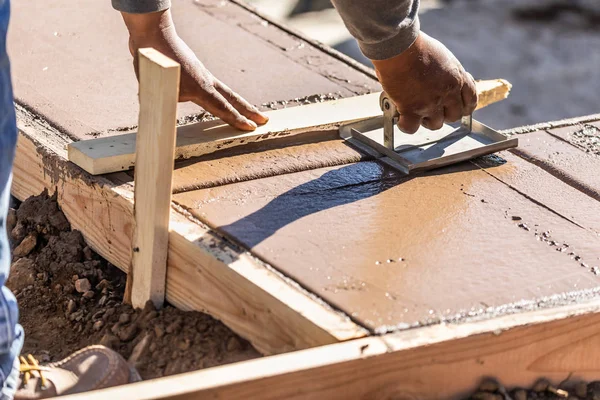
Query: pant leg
11	334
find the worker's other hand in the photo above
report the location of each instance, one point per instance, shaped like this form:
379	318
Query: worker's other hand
197	83
427	84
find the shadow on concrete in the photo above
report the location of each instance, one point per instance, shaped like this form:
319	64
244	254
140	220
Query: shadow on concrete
335	188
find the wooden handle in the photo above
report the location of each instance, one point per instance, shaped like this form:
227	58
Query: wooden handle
491	91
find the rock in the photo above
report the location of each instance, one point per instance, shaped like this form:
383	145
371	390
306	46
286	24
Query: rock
110	341
87	253
174	327
540	386
139	350
104	284
488	385
234	344
520	394
184	344
102	301
159	331
22	274
68	288
487	396
581	389
97	315
124	318
89	294
201	326
26	246
98	325
150	316
173	368
83	285
149	306
109	313
18	232
11	220
127	333
71	306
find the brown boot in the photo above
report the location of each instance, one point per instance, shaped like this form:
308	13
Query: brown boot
91	368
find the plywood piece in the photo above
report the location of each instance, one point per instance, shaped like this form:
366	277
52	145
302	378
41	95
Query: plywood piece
204	272
453	248
104	155
159	94
417	364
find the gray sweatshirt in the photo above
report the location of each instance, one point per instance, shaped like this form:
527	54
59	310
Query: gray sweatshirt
383	28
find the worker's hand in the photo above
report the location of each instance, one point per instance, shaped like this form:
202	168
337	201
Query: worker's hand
197	83
428	85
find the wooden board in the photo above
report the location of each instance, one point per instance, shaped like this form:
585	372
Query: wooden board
111	154
437	362
204	272
104	155
159	94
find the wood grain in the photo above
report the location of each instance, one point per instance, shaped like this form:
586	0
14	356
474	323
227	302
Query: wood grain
104	155
159	94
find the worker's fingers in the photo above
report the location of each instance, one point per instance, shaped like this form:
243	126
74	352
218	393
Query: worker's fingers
434	121
240	104
469	95
409	123
217	105
453	109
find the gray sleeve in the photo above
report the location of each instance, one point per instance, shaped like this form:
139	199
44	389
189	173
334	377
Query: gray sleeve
141	6
383	28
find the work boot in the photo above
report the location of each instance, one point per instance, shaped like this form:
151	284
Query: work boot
91	368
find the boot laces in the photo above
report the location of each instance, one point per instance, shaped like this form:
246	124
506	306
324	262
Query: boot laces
30	365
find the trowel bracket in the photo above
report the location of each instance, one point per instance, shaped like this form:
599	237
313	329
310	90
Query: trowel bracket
426	149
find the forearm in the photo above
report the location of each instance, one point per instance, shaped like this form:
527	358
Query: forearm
141	6
383	28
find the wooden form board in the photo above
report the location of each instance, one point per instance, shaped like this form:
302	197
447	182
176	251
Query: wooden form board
204	272
437	362
117	153
207	273
155	151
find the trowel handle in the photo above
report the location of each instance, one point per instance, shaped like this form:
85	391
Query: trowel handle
488	92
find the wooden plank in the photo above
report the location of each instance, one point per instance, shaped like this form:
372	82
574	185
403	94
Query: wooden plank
155	155
437	362
204	272
104	155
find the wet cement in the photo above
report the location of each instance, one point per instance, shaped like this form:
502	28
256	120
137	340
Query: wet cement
557	155
392	251
71	63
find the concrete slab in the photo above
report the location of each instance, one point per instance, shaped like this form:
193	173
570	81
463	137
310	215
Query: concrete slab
563	160
72	66
393	252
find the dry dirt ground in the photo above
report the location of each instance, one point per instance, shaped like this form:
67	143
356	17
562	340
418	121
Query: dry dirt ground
69	298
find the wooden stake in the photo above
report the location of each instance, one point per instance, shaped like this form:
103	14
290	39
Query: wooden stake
155	154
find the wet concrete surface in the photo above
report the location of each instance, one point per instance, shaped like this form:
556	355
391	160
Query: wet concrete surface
71	63
393	252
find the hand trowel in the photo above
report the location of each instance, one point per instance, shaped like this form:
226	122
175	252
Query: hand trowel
427	149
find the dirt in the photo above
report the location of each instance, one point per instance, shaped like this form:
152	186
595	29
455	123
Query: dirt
541	390
69	298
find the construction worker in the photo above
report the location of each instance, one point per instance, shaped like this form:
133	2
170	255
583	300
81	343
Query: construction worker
423	78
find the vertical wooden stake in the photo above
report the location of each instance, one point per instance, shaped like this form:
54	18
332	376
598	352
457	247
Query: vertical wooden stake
155	153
